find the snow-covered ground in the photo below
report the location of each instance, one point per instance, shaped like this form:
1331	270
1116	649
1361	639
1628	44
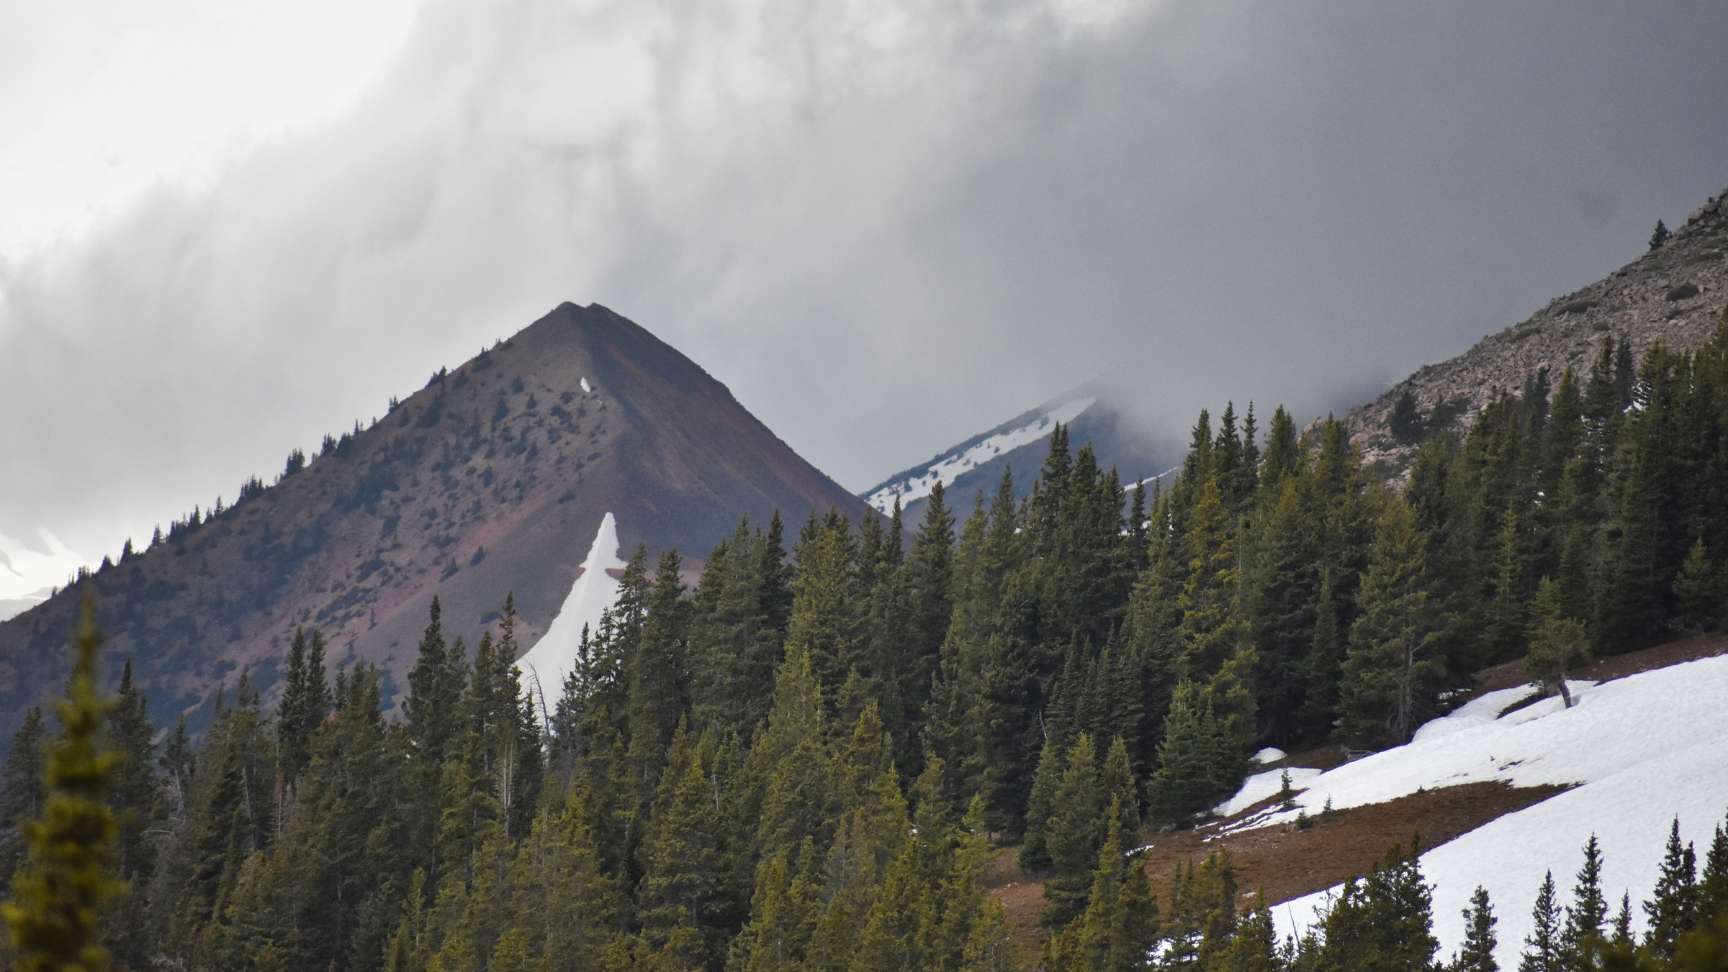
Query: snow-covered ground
946	468
554	655
1262	785
1639	750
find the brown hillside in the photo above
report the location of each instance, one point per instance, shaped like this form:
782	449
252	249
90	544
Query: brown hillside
492	479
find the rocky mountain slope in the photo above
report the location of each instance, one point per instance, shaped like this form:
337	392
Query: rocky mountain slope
494	478
974	467
1671	294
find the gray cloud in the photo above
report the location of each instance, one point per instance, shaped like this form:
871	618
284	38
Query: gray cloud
886	226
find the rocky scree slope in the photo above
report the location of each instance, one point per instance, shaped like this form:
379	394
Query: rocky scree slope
1672	294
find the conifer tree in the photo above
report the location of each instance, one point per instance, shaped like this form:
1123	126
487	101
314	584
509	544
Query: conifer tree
1193	760
1390	676
1209	602
1698	595
1034	847
1558	644
1713	882
1671	909
1542	947
1477	953
1587	915
1077	825
68	875
21	789
1119	784
929	589
683	886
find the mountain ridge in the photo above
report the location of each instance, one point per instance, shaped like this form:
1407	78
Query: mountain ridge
491	479
1672	294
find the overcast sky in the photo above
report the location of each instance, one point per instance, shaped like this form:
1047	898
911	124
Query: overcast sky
229	226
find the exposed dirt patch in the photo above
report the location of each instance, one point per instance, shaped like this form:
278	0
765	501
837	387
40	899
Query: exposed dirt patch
1512	674
1286	862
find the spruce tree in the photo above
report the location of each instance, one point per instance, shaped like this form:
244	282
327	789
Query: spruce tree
68	876
1390	675
1034	847
1542	947
1192	759
22	785
1558	644
1698	595
1587	914
1077	825
1477	953
1671	909
1713	882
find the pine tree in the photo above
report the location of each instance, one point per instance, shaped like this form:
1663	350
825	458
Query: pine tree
683	858
21	789
929	590
1587	914
1120	785
1659	235
1477	954
1210	619
1558	644
68	876
1542	947
1713	882
1034	848
1508	619
1671	909
1390	674
1405	420
1077	825
1698	594
1193	761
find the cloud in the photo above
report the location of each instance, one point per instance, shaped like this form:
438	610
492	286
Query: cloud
886	225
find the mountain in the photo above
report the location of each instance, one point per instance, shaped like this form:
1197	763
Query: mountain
14	606
1672	294
497	477
1093	415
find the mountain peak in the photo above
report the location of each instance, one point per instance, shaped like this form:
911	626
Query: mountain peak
492	479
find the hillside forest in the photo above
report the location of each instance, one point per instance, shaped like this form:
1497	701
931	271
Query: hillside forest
810	759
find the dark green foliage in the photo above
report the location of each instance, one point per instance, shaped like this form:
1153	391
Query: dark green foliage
21	789
807	764
1477	953
68	875
1382	922
1406	420
1672	907
1542	949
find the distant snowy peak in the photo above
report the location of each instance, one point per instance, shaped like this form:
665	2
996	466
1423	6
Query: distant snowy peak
917	483
552	659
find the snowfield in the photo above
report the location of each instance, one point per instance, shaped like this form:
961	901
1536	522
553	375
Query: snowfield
553	657
1639	751
946	468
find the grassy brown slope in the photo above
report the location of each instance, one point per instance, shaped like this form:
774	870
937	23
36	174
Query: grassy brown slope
1286	862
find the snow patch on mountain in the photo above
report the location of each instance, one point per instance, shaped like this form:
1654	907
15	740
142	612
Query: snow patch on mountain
946	468
1262	785
587	389
1638	751
545	666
